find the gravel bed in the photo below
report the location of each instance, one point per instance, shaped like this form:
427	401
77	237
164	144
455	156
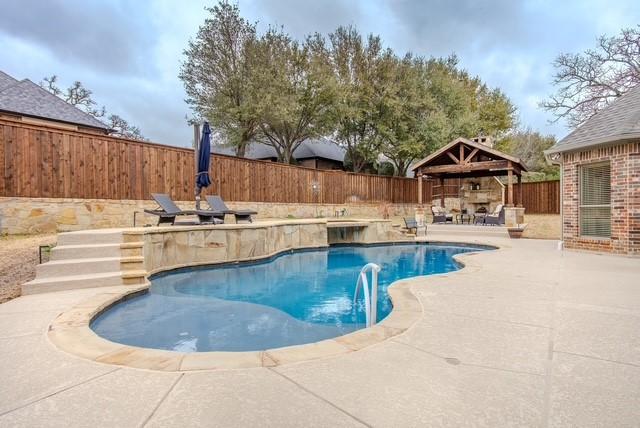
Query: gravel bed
18	261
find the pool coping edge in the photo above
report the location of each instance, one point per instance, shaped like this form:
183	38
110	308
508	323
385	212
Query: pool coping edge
70	332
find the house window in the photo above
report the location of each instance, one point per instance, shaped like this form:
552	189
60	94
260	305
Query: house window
595	200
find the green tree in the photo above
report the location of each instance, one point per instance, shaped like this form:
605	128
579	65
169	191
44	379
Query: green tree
403	124
360	86
466	106
529	146
431	102
293	91
216	74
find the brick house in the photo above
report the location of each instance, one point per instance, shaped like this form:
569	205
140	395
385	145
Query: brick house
600	179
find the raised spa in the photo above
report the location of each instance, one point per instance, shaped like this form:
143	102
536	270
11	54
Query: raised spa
295	298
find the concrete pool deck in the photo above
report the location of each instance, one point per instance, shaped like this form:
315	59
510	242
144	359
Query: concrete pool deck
523	336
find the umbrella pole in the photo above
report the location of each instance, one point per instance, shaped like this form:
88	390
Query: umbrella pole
196	151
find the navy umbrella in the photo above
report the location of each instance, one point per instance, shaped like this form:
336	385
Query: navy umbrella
204	158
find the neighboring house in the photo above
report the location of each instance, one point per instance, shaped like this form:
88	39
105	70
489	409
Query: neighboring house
29	103
600	179
320	153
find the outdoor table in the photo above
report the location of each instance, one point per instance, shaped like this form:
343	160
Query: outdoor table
460	218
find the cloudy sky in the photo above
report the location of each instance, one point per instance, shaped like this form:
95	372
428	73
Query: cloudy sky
129	52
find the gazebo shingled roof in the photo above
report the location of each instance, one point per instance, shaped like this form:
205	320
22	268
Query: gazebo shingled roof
463	158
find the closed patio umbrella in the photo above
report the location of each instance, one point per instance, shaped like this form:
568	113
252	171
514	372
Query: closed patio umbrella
204	158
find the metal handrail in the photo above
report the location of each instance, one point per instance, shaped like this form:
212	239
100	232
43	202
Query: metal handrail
370	299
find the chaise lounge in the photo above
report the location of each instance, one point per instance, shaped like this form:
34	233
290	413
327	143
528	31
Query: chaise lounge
410	225
169	211
440	215
217	204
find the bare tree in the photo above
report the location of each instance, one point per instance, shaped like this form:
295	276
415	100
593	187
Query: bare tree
589	81
121	128
79	96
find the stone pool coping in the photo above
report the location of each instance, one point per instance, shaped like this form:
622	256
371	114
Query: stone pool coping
71	332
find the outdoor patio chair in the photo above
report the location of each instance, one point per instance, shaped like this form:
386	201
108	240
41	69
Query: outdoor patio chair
496	218
410	224
440	215
169	211
217	204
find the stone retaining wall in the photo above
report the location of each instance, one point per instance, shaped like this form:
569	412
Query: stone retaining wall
47	215
170	248
375	231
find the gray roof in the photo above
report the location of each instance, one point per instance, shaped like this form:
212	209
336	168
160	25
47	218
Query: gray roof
618	121
311	148
6	80
27	98
320	148
254	151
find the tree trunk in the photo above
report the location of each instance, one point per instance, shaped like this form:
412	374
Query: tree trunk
286	155
241	149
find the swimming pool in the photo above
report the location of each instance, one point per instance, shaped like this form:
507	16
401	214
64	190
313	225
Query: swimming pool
292	299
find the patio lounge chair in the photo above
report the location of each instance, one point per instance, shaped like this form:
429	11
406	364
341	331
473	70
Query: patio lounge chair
217	204
496	218
440	215
411	224
169	211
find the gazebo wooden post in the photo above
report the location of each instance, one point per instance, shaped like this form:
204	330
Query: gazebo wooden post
419	175
442	192
519	204
510	187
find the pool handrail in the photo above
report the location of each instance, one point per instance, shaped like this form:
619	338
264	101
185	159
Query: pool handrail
370	299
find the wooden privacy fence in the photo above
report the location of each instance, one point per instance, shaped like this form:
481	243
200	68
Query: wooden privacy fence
51	163
43	162
542	197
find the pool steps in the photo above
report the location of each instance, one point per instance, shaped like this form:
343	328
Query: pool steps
89	259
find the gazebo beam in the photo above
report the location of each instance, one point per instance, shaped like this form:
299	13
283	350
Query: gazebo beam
455	159
471	155
494	166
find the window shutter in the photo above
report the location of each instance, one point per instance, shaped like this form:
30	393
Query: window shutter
595	200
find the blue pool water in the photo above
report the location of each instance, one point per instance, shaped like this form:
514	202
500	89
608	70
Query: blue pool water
296	298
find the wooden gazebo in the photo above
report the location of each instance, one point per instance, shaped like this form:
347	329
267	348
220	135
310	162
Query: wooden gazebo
463	158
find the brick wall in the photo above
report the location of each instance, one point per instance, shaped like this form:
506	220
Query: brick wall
625	199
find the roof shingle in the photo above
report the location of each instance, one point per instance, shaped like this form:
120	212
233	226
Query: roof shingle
6	80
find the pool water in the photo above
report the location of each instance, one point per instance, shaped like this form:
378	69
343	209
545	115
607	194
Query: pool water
296	298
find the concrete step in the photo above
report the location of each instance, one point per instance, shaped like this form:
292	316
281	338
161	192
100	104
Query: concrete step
133	263
89	237
134	277
77	267
72	282
90	251
130	249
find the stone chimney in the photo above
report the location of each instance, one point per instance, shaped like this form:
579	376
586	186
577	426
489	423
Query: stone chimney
484	139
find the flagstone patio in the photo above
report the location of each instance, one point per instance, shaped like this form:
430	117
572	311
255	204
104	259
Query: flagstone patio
522	336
